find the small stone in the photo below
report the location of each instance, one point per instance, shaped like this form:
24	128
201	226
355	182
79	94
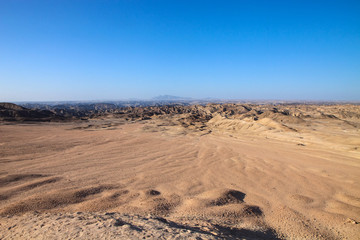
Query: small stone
350	220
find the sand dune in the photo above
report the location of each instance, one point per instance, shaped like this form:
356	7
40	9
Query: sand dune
234	176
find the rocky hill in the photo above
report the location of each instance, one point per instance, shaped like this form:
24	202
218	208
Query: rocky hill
271	115
13	112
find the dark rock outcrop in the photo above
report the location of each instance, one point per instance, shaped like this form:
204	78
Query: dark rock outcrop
13	112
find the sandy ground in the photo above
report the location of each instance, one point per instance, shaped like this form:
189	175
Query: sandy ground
156	180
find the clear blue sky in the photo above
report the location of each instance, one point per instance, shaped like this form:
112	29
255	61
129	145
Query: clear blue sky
102	50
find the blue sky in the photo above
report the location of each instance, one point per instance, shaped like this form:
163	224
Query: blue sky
112	50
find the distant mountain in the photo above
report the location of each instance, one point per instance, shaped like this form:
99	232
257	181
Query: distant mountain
170	98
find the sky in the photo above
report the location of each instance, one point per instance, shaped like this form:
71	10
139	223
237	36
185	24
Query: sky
113	50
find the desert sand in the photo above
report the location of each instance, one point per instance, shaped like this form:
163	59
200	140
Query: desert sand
276	176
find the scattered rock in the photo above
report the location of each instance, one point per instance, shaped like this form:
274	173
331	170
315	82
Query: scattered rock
350	220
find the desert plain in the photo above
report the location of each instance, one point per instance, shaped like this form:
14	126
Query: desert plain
216	171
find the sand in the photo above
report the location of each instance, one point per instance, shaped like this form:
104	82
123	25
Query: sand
155	179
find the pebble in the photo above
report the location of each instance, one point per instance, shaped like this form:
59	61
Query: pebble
350	220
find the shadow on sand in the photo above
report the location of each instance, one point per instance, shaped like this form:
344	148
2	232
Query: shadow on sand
225	232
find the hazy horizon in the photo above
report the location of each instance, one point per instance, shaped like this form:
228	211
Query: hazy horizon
121	50
185	100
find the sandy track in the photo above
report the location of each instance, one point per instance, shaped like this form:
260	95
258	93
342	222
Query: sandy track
243	181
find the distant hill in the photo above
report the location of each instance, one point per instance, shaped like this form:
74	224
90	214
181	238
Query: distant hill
13	112
169	98
10	106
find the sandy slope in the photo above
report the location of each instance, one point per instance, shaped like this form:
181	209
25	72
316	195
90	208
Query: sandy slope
248	178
